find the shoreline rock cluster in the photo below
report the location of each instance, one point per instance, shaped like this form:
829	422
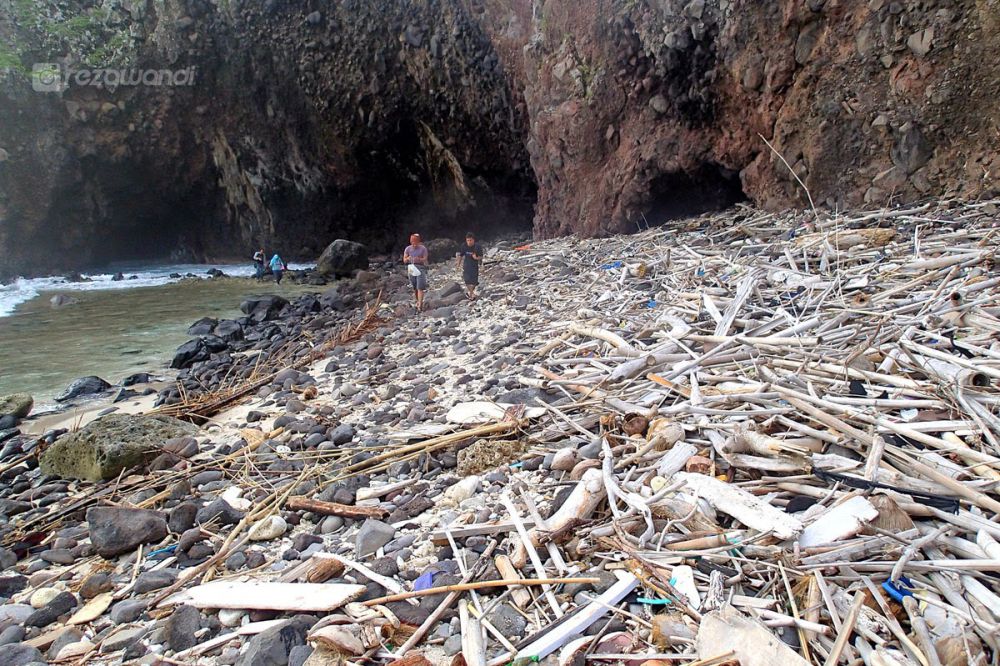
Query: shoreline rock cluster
700	434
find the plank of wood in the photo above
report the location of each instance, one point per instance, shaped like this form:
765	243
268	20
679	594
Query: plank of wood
334	509
578	623
269	596
440	537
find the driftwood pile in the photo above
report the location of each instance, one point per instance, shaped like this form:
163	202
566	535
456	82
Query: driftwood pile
798	430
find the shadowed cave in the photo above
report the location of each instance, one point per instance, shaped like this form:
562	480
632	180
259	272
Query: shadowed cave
677	195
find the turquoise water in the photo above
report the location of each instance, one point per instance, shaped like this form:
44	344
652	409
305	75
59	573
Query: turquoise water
112	333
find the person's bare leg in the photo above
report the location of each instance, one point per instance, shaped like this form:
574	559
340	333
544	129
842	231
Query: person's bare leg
420	300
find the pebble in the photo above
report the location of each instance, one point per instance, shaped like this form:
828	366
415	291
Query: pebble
231	618
117	530
181	625
42	596
128	610
154	580
269	528
462	490
373	535
95	584
20	654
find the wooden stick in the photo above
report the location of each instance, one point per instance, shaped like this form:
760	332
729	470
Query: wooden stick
845	632
480	585
520	596
298	503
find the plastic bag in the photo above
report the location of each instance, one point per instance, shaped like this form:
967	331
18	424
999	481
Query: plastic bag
413	270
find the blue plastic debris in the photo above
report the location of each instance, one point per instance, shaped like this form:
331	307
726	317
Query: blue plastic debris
902	588
425	581
168	549
610	265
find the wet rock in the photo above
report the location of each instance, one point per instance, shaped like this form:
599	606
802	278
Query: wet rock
181	626
263	308
116	530
17	405
228	330
83	386
373	535
203	326
341	258
105	447
197	350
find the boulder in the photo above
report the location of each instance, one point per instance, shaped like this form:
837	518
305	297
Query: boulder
442	249
197	350
17	405
263	308
341	258
103	448
203	326
116	530
229	330
83	386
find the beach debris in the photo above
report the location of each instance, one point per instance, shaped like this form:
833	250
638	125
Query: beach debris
745	438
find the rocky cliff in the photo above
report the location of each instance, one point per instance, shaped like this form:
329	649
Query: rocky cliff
366	119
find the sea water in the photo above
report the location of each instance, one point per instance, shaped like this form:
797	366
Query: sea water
114	328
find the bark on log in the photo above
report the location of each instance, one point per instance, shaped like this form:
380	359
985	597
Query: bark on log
333	509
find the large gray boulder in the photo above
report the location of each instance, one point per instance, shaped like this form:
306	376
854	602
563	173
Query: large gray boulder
440	250
341	258
17	405
104	448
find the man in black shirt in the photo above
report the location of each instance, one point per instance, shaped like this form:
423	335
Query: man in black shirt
469	259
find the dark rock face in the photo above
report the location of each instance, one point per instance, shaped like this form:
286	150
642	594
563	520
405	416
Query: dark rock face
115	530
369	120
341	258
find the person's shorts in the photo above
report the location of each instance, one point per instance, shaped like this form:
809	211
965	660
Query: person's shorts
419	282
470	275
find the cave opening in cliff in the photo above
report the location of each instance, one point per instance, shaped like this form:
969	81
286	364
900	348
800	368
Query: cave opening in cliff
414	183
676	195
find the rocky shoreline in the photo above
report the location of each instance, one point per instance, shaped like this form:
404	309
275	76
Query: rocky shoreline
399	461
